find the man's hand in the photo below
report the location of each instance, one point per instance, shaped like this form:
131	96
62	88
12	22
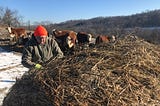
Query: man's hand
38	66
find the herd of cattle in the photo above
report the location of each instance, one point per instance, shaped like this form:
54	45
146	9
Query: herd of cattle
66	39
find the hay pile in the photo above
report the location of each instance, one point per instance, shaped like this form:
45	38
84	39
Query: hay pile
124	73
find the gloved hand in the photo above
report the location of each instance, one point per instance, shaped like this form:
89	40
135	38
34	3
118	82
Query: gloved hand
38	66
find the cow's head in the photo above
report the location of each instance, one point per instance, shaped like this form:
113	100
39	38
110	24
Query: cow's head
54	31
113	38
89	37
9	29
10	32
69	42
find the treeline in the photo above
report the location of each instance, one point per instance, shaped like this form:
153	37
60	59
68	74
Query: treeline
105	25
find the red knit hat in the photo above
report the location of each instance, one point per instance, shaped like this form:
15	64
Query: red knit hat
40	31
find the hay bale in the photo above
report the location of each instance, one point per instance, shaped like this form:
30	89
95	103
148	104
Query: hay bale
124	73
26	92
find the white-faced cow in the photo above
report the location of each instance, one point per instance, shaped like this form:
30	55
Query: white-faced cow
83	37
104	39
18	34
66	40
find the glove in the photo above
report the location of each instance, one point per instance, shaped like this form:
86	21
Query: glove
38	66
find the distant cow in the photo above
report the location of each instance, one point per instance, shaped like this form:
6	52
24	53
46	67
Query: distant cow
83	37
104	39
66	39
17	33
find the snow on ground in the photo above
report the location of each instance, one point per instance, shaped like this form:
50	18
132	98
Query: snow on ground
10	69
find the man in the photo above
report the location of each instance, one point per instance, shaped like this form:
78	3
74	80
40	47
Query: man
39	49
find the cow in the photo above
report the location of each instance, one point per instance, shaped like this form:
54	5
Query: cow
104	39
66	40
83	37
17	34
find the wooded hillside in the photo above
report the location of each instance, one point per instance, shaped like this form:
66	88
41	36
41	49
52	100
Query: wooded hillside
104	25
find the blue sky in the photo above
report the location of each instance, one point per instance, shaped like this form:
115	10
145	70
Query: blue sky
62	10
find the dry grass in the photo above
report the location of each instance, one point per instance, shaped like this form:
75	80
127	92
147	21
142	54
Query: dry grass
124	73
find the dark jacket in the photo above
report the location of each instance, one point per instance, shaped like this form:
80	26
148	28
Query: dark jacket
34	53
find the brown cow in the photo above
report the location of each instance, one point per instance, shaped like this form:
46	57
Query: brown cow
17	33
104	39
66	39
83	37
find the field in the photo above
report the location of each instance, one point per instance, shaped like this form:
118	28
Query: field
123	73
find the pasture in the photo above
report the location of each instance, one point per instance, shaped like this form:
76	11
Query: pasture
126	72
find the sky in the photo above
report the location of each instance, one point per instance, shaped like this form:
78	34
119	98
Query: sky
57	11
10	69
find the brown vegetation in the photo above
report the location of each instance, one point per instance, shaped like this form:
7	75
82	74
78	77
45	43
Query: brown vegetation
126	72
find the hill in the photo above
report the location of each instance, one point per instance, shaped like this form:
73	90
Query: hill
123	73
103	25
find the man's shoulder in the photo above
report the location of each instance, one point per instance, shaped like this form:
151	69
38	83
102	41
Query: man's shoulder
30	42
50	39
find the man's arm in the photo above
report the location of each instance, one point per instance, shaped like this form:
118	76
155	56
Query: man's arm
26	58
57	50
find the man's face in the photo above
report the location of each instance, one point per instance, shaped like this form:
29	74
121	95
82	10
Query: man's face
41	39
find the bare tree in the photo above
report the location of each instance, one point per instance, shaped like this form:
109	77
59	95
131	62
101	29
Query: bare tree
1	14
10	17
